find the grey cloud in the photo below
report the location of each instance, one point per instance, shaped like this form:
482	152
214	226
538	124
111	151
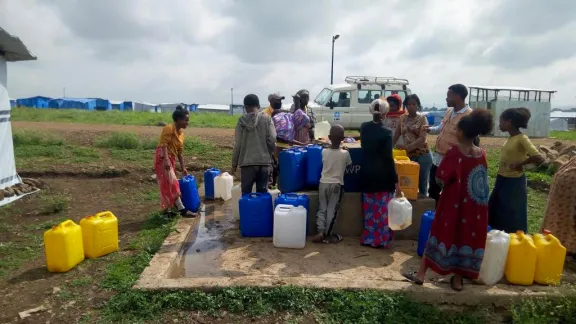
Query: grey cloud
530	17
103	20
110	29
270	31
514	35
517	53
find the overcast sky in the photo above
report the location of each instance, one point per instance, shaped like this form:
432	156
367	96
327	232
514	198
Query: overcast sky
194	51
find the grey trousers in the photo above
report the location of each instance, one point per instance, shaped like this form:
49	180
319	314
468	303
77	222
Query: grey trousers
329	198
254	174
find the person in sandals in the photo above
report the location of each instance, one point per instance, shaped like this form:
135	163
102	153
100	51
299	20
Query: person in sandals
331	189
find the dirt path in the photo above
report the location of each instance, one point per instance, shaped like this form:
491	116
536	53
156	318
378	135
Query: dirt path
86	132
218	136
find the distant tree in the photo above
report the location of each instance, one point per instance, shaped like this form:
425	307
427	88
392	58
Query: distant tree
556	109
433	109
573	110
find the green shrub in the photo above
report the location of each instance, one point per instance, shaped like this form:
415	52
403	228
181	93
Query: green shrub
123	141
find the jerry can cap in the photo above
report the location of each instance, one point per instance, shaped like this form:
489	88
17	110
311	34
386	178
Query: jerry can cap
546	232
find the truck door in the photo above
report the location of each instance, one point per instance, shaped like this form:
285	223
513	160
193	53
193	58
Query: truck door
339	112
359	112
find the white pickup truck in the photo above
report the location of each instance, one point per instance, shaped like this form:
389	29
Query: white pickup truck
347	103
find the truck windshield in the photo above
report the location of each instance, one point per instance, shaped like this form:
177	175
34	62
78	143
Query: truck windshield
323	97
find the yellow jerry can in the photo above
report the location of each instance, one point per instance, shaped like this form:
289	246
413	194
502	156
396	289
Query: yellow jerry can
397	153
63	246
521	260
100	234
550	261
408	177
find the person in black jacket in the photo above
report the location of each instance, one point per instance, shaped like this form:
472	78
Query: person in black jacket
378	177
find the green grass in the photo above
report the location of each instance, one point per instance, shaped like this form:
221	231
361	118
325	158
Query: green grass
568	136
332	306
34	148
215	120
35	151
122	141
21	247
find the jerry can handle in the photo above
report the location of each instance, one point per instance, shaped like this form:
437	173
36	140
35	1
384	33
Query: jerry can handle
291	195
66	223
106	214
285	207
254	195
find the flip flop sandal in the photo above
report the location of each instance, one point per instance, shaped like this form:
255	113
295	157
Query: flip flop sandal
334	238
411	276
454	286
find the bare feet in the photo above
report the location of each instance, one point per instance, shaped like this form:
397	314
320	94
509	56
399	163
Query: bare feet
457	283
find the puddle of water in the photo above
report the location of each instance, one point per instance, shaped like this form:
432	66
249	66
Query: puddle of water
204	246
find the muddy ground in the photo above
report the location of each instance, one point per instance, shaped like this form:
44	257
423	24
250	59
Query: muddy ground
76	296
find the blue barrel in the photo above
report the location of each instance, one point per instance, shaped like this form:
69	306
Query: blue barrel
256	215
302	167
314	165
430	119
209	177
425	225
290	179
189	191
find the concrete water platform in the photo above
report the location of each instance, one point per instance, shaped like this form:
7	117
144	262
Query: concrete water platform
207	252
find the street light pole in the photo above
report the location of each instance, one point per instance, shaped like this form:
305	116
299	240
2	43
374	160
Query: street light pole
334	38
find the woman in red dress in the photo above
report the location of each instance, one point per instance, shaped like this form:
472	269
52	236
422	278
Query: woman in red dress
458	234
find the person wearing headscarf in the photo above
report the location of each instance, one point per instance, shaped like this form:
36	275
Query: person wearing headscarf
560	215
301	99
378	176
395	112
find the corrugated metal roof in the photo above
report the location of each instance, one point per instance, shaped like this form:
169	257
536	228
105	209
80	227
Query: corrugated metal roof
563	114
508	88
12	48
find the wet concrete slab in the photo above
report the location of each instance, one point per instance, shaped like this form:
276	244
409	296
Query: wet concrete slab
208	252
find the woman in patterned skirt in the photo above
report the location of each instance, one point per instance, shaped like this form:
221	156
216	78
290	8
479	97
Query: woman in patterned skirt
560	216
458	233
378	177
170	147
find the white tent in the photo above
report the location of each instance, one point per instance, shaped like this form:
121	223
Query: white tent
11	50
558	124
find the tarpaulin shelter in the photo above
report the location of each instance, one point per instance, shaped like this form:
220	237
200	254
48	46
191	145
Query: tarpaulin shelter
558	124
73	103
102	104
11	50
117	105
33	102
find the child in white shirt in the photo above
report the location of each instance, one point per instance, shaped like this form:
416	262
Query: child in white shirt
331	189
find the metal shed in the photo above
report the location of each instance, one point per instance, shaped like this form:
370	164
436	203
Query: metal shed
497	99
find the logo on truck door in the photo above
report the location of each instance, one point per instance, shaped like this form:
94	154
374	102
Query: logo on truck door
336	115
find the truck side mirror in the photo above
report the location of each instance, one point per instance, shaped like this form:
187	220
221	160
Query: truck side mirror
331	104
